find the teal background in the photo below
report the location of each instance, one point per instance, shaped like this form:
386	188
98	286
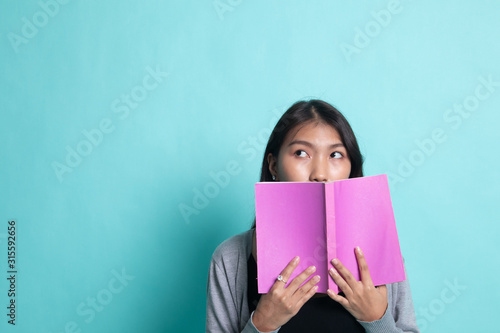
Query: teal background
231	71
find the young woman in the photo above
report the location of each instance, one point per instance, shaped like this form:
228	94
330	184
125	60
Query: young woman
312	142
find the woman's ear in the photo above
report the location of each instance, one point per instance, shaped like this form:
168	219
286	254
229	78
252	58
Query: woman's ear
271	160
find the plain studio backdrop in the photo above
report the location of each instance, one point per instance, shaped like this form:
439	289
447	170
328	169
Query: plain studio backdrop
132	133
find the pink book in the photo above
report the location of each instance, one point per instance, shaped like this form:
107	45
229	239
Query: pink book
322	221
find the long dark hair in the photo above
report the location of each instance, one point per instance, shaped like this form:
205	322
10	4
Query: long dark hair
310	111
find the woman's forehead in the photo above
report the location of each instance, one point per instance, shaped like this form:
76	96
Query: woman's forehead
312	131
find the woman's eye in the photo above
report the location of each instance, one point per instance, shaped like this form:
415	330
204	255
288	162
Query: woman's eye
301	153
336	155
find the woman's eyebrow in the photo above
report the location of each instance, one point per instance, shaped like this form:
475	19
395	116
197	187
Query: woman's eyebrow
306	143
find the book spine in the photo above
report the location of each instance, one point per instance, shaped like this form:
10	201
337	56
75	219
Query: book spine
330	232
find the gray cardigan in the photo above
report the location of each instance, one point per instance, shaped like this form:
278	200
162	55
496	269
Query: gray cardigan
227	305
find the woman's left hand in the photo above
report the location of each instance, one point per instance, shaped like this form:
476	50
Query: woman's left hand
362	299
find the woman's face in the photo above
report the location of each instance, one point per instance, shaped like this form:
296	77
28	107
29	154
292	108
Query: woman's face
311	153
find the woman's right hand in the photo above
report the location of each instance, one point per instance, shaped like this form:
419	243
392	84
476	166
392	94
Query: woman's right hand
282	302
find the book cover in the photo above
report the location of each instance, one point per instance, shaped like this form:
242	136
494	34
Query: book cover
322	221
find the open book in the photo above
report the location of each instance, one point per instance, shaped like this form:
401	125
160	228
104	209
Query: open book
322	221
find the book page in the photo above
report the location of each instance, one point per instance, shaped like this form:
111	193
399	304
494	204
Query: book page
290	222
365	218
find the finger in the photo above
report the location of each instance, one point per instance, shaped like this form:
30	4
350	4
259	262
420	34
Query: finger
310	293
340	282
346	274
300	292
287	272
299	279
364	272
337	298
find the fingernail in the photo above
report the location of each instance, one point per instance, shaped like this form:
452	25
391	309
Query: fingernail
359	250
333	271
329	292
317	278
335	261
312	269
296	259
